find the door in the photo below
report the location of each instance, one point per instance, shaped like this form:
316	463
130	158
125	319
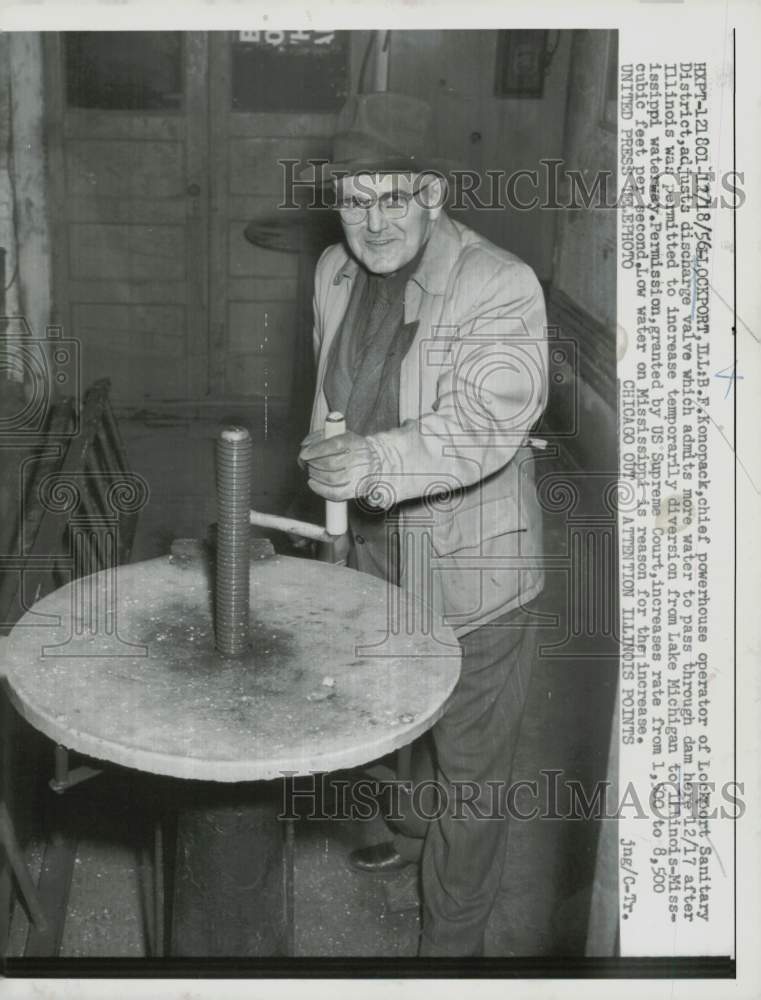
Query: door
128	157
164	147
274	96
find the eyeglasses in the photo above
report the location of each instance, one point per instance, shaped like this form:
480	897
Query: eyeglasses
393	205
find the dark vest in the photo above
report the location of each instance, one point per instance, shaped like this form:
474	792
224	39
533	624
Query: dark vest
362	382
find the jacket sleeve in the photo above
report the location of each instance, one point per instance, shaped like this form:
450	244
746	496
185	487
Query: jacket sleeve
491	389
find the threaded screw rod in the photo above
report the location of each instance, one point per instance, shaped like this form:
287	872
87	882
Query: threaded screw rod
234	477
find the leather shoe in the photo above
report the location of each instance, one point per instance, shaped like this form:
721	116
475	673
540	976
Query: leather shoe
378	858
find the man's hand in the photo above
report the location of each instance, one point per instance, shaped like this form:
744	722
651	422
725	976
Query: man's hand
337	465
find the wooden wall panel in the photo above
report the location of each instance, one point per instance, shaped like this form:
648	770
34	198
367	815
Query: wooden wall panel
134	252
586	254
582	299
254	166
246	260
455	70
118	169
260	348
140	344
259	298
130	222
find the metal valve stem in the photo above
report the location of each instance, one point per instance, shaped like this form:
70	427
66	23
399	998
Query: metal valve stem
234	475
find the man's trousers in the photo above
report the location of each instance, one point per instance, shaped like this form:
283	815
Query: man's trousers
455	820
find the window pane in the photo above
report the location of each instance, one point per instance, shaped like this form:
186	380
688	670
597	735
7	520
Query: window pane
521	63
124	70
289	70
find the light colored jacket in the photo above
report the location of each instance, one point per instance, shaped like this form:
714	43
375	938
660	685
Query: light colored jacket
472	385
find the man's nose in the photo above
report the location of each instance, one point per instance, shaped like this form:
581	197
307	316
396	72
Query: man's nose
376	220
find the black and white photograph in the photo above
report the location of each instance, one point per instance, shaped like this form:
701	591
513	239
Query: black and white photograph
365	392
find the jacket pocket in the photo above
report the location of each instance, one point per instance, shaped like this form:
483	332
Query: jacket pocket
470	527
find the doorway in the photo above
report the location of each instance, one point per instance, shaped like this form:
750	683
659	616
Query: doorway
163	147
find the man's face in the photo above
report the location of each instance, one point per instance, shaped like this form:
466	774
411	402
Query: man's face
384	244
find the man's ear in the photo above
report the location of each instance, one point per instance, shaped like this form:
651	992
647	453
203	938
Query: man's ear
434	194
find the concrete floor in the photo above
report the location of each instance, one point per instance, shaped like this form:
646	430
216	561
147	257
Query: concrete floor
544	896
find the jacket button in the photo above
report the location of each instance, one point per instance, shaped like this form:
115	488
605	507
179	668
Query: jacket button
359	539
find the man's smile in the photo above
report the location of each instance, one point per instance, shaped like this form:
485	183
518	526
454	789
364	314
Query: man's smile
383	240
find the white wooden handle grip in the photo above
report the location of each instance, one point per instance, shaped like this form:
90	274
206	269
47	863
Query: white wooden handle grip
312	531
336	512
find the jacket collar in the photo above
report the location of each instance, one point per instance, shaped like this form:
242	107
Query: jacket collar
438	259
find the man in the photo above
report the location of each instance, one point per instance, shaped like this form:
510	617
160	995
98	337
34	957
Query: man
430	340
